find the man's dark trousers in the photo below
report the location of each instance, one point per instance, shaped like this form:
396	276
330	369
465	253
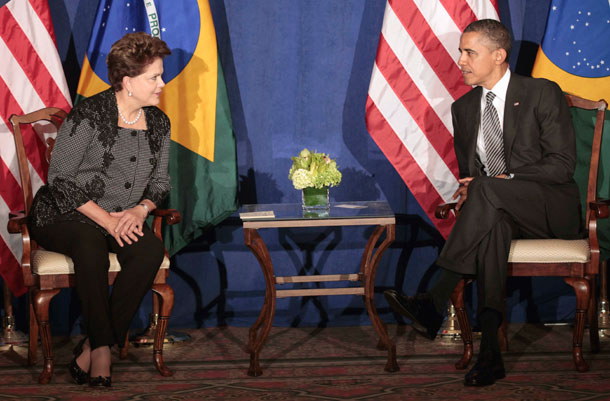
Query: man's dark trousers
496	211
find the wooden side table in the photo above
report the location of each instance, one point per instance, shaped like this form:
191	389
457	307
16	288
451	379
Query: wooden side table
261	216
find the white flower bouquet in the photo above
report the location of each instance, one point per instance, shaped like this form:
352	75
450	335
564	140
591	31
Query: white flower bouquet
314	170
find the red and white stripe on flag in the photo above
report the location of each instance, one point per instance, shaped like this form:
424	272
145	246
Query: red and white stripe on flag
31	78
414	81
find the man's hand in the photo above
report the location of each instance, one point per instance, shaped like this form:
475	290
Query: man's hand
462	192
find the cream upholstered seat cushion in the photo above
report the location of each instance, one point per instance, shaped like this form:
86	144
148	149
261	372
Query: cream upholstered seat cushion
549	251
47	262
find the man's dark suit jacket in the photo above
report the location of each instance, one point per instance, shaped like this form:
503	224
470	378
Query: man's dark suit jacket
539	145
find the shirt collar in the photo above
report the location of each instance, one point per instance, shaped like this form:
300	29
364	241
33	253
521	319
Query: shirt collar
500	88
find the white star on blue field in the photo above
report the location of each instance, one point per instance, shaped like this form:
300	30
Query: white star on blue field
576	38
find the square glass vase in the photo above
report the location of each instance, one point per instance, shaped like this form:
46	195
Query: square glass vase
315	199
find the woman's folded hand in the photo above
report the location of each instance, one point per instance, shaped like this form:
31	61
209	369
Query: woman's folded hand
127	225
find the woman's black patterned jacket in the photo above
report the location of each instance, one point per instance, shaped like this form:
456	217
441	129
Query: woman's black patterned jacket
94	159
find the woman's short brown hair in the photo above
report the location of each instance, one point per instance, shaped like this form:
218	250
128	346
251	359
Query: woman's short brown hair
131	54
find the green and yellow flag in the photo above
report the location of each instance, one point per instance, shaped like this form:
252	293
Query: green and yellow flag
575	54
202	165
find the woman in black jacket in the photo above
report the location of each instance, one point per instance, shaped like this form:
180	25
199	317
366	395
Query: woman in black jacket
108	171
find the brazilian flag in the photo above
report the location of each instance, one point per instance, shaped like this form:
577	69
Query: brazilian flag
202	163
575	54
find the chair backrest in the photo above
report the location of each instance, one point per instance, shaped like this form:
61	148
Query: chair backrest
51	114
596	141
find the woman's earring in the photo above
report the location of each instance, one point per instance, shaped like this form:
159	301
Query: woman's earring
129	93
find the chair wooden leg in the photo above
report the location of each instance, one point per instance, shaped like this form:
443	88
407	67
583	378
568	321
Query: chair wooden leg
457	297
581	288
41	301
592	316
166	294
33	335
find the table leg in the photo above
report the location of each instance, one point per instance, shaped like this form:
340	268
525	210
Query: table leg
368	268
256	339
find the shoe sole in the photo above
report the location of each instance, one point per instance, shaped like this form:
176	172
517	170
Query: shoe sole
469	384
497	376
418	327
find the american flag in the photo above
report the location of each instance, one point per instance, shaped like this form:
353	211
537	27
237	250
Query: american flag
414	81
31	78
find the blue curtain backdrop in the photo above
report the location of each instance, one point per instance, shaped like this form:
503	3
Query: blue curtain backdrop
297	74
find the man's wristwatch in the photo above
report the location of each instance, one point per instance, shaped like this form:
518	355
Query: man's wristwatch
509	176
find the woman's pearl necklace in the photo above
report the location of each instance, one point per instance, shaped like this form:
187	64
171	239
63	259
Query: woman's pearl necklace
130	122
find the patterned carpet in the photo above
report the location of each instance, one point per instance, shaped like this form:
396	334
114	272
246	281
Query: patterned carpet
321	364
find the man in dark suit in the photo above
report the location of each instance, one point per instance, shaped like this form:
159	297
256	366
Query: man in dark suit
516	153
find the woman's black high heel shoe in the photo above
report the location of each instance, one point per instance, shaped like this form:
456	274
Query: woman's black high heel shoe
78	375
100	381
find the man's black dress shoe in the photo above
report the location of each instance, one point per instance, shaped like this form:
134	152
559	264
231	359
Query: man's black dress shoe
78	375
419	309
485	372
100	381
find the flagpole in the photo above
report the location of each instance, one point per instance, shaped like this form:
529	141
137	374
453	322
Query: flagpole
450	327
148	336
10	335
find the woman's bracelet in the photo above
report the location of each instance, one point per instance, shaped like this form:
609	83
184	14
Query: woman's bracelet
145	208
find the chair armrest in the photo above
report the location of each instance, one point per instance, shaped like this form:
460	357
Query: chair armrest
171	216
16	221
600	208
443	211
17	224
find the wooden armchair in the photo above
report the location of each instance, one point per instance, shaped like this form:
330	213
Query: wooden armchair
45	273
577	261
